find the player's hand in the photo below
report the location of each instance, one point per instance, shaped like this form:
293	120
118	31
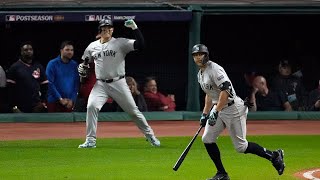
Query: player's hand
83	69
203	119
130	24
213	116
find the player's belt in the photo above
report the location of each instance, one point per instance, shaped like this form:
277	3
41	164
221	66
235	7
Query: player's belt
111	80
229	104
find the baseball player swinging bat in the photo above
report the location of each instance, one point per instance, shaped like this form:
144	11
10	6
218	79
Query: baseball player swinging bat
186	150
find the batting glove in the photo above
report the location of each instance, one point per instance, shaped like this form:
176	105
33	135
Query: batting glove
83	69
130	24
203	119
213	116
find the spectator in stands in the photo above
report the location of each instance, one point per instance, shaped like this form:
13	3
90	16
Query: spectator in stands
245	85
137	96
63	77
3	93
27	83
291	85
3	78
155	100
265	99
314	99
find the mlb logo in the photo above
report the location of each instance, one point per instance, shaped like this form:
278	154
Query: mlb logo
90	18
10	17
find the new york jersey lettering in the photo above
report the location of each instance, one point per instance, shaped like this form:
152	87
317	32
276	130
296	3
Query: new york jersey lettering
109	53
207	86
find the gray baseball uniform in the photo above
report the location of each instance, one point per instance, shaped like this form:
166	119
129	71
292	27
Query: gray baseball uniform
109	59
233	116
215	82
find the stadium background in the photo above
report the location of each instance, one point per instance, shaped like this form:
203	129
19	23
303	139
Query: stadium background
242	36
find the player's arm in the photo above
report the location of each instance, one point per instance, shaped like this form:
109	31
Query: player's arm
225	92
207	104
139	40
223	100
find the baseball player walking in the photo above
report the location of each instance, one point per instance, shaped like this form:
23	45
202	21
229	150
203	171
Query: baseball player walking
223	109
108	54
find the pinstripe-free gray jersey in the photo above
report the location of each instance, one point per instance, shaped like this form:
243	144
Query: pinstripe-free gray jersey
109	57
213	77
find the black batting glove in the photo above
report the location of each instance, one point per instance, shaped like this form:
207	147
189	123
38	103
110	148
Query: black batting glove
203	119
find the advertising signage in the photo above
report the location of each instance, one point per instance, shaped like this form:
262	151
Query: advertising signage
95	16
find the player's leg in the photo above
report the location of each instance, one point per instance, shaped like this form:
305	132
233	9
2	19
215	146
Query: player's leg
97	98
209	138
237	129
122	95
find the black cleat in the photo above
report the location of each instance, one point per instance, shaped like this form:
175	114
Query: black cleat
277	161
220	176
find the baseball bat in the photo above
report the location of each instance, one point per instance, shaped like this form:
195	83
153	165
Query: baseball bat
186	150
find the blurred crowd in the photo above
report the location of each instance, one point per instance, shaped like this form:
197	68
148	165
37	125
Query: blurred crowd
28	87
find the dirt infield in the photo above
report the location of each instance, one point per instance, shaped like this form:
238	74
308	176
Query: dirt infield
31	131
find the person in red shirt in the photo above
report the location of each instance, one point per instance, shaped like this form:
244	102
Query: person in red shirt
155	100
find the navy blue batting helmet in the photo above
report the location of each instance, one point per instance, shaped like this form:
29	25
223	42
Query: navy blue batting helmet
201	48
105	22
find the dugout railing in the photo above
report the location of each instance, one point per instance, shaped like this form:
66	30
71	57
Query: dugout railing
153	116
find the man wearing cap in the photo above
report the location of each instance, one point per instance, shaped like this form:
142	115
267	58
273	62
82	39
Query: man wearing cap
290	85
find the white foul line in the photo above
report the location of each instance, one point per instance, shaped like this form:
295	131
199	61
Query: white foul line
309	175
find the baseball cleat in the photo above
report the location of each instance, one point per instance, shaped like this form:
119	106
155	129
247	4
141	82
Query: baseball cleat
88	144
220	176
153	140
277	161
